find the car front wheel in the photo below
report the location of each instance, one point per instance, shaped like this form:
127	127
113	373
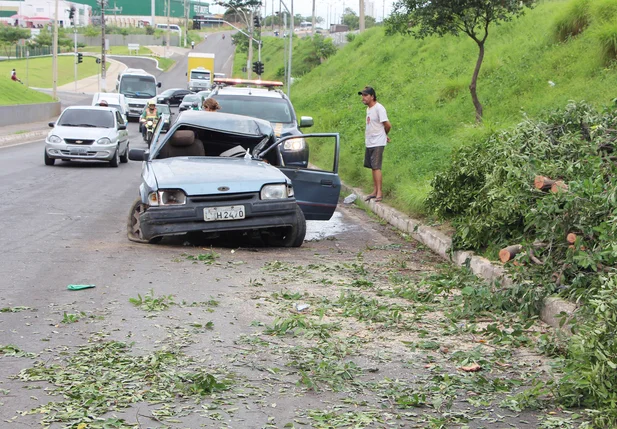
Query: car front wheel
48	160
125	157
133	225
115	161
292	236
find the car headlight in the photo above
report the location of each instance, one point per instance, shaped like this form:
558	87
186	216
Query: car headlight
167	197
103	140
55	139
276	192
294	144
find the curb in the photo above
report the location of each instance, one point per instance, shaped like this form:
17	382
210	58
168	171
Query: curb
553	308
15	139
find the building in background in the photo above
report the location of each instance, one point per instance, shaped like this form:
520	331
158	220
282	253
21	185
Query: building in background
123	13
40	13
134	13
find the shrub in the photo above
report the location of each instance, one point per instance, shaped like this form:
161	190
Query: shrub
606	35
350	37
573	21
603	11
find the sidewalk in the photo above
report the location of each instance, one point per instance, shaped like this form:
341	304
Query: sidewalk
92	84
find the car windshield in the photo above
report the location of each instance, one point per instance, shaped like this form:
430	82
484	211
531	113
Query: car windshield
87	118
138	86
163	108
269	109
167	92
200	75
190	98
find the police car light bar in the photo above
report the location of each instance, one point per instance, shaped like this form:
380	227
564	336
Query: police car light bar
264	83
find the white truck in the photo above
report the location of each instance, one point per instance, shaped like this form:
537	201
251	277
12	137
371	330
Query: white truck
138	86
200	71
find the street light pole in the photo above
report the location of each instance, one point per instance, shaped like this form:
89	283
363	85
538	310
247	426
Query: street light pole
103	66
55	55
75	42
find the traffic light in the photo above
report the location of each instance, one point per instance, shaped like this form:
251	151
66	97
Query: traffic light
256	22
80	58
256	67
260	68
72	13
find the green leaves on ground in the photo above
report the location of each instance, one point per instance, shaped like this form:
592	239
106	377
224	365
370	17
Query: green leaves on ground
151	303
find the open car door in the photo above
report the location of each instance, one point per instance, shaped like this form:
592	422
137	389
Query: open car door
316	189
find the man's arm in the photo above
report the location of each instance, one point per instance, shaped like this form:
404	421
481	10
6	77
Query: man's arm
387	127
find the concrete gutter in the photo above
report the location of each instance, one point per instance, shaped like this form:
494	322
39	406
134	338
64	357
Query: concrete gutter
553	307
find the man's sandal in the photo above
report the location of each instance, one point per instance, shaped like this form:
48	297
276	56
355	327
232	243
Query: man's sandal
370	197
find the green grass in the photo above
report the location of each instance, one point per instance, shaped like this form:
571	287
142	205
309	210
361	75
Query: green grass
424	86
12	93
39	71
116	50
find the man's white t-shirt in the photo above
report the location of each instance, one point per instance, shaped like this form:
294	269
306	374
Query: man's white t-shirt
375	134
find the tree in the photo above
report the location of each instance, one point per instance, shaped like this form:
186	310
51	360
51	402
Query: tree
422	18
9	36
350	19
322	48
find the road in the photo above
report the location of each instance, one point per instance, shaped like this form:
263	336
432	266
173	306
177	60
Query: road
218	334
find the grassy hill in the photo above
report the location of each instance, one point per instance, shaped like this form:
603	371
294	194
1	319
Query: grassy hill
424	86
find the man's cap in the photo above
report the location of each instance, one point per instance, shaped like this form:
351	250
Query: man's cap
367	91
103	103
151	103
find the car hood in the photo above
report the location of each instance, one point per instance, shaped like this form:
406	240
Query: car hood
203	176
82	133
282	129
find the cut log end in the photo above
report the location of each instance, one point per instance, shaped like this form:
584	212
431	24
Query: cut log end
559	186
508	253
543	183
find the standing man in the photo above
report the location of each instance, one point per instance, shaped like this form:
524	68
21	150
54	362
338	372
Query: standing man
375	139
192	44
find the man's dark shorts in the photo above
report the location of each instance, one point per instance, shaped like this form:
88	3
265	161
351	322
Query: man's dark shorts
373	157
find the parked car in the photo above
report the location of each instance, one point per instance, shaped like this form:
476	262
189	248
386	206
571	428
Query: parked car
172	97
188	100
264	100
88	133
224	173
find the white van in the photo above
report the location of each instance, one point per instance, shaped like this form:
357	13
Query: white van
172	27
113	100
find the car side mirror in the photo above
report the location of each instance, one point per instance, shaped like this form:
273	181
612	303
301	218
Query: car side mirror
306	121
158	85
137	155
122	126
52	124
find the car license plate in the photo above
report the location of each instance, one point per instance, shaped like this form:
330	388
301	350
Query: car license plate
224	213
78	151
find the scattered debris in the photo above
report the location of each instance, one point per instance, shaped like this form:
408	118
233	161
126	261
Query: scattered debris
350	199
79	287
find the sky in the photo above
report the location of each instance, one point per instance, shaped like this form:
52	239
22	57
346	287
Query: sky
329	10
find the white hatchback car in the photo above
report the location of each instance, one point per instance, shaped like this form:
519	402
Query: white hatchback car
90	133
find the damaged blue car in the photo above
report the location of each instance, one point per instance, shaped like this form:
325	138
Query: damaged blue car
217	173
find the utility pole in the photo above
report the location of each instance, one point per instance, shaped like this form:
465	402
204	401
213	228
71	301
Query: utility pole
249	60
361	16
168	28
75	42
314	22
186	23
152	13
55	55
103	66
291	38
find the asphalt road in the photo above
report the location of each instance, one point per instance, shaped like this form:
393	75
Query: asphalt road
190	334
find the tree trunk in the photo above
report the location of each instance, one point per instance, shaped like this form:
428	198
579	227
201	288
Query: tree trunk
474	80
509	252
543	183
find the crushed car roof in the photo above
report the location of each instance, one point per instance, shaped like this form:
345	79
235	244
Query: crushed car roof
225	122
